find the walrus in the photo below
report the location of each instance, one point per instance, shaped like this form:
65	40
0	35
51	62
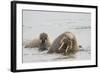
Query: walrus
42	42
66	44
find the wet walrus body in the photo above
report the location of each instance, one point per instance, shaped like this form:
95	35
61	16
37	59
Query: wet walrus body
42	42
65	43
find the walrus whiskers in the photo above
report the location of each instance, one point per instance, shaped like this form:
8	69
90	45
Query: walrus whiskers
67	49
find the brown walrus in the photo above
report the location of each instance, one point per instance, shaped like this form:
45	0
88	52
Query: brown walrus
42	42
65	44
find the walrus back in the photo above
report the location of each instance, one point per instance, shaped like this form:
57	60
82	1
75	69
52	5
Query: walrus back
32	44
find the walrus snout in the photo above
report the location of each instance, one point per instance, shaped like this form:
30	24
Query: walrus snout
43	40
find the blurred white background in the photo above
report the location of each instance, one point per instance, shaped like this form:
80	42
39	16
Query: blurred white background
5	36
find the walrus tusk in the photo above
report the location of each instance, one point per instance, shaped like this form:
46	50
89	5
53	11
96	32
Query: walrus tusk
61	45
67	49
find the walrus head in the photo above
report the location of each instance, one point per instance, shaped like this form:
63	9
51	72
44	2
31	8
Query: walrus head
43	37
64	45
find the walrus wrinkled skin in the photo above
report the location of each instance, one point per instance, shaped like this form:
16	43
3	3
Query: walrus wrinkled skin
42	42
65	44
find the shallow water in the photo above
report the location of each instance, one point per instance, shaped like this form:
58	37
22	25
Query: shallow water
54	24
33	55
